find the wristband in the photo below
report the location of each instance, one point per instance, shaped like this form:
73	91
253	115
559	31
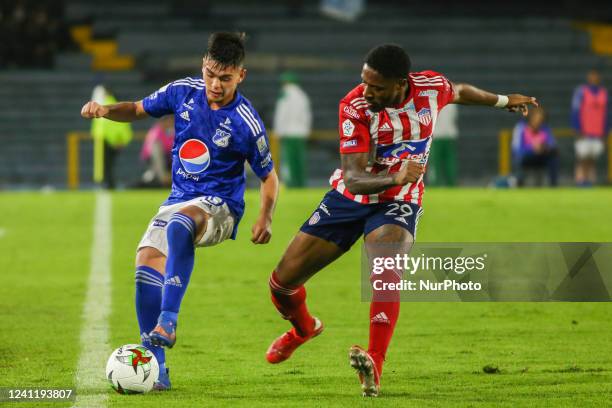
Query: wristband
502	101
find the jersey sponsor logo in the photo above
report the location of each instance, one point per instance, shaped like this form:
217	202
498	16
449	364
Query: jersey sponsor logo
347	128
226	125
351	112
350	143
221	138
186	175
185	116
194	156
262	146
324	208
424	116
159	223
429	92
410	150
314	219
385	128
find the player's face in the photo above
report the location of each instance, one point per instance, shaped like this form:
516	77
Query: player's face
380	92
221	81
593	78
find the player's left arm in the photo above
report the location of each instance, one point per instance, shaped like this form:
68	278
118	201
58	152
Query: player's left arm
262	229
467	94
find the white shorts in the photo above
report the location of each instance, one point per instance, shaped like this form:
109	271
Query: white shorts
589	148
219	227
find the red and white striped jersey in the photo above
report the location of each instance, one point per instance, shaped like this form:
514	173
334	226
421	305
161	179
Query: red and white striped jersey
403	132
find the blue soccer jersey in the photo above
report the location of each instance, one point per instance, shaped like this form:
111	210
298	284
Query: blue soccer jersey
211	146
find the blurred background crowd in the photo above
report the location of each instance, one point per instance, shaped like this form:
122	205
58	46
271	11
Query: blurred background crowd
303	56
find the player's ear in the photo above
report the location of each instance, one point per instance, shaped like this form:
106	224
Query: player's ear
243	73
402	82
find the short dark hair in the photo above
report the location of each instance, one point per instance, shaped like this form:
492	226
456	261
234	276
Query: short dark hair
389	60
227	49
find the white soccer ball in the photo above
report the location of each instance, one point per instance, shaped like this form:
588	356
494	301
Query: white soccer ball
132	369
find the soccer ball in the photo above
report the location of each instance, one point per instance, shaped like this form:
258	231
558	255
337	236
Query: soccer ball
132	369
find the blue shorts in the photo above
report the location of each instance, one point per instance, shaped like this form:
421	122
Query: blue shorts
342	221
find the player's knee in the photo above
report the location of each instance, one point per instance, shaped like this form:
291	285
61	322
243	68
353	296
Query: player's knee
151	257
199	217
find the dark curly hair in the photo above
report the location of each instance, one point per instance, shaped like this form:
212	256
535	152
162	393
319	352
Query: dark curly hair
226	49
389	60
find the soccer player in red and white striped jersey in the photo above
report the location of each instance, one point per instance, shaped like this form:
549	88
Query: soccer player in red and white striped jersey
386	125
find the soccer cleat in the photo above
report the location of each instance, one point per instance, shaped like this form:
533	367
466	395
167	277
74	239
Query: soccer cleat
361	361
163	381
164	334
282	348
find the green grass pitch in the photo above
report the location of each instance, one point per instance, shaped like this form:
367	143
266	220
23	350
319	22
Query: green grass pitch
548	354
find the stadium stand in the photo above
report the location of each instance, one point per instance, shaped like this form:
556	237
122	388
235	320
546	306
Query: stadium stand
542	56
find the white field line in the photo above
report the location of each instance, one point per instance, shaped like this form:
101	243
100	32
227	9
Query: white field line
91	386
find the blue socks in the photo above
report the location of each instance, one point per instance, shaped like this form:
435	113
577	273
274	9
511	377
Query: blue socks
179	265
149	284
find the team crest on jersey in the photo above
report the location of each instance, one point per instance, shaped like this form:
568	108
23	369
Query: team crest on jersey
424	116
221	138
314	219
348	128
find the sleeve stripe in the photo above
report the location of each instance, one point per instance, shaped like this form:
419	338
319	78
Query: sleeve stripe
250	114
196	80
181	82
249	119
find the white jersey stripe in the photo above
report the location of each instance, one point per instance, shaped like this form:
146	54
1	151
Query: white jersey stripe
430	84
247	121
248	112
187	84
415	128
433	107
398	127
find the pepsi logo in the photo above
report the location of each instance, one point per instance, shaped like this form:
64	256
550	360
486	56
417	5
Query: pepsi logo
194	156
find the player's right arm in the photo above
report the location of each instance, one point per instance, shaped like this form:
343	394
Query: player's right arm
119	112
358	181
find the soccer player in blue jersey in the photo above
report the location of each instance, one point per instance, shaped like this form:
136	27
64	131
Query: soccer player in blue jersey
217	129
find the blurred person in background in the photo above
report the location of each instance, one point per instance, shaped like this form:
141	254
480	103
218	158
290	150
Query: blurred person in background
156	152
590	112
292	125
110	135
534	147
443	157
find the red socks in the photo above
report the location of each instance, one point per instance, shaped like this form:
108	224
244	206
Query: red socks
290	301
384	311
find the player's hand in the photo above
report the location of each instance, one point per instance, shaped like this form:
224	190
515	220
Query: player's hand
93	110
409	172
262	231
517	102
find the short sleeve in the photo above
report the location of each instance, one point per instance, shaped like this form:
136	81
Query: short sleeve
354	130
160	102
446	93
258	154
